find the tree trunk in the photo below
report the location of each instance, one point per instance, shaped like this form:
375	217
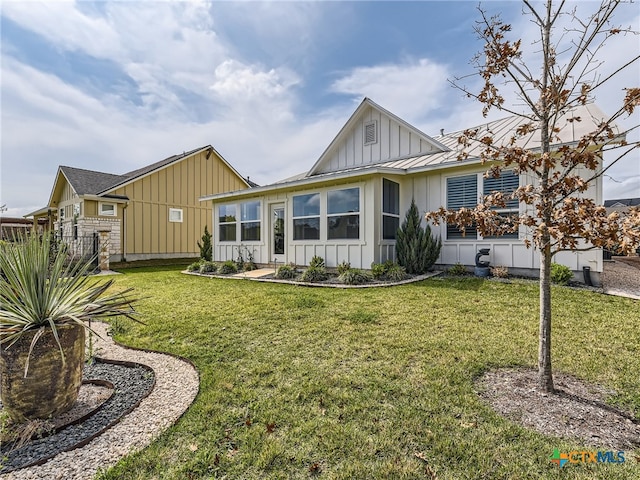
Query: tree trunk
545	377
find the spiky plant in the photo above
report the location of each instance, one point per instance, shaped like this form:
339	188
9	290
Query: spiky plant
41	291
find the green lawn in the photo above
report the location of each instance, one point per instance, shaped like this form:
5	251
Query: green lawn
364	384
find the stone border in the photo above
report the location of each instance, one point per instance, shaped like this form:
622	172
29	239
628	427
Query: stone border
417	278
177	385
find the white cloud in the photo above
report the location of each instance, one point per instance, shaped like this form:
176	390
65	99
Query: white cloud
413	87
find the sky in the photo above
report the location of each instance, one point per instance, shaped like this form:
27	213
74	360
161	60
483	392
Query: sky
115	86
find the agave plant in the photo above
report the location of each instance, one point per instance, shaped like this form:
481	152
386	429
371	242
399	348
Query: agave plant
43	295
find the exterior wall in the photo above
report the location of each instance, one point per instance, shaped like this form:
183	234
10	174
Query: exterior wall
393	141
359	252
429	192
148	233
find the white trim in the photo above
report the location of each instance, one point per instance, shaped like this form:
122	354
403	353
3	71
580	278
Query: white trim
179	216
101	210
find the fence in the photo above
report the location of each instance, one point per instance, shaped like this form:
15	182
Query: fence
81	248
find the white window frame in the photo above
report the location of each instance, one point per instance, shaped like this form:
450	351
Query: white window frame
304	217
246	221
102	212
172	215
329	216
389	214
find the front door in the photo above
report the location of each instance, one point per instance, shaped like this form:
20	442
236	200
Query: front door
278	243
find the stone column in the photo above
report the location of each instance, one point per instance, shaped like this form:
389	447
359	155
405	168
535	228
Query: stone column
103	248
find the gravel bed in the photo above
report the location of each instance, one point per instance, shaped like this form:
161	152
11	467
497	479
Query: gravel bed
176	386
131	384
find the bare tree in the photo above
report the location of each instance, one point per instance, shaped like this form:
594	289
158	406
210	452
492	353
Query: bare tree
561	71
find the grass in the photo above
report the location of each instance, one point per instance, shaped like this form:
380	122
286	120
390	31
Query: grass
361	384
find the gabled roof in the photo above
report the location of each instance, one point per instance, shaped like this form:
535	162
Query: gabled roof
623	202
357	118
91	182
446	156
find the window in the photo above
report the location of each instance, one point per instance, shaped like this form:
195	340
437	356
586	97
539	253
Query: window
227	222
175	215
390	209
506	183
306	217
370	132
343	213
250	221
462	192
108	209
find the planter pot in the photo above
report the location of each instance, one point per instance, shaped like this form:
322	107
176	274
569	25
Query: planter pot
50	388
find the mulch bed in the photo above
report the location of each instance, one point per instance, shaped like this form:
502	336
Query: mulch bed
577	410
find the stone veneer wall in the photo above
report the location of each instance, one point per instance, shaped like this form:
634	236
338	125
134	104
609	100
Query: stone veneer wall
91	225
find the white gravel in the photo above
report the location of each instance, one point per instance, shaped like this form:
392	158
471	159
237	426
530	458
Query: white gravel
176	387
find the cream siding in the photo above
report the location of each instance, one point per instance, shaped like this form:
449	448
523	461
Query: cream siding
148	232
393	141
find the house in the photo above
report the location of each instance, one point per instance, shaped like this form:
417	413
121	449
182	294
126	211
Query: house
12	227
348	206
152	212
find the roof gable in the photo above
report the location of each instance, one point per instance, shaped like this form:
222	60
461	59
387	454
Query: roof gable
154	167
373	135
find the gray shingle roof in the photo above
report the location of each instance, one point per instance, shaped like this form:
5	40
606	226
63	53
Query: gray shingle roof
88	182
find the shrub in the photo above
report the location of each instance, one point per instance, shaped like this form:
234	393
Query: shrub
343	267
396	273
205	246
500	271
316	261
379	270
208	267
286	272
416	248
248	266
560	274
228	267
314	274
194	267
355	276
457	269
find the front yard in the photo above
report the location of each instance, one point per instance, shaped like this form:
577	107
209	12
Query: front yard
376	383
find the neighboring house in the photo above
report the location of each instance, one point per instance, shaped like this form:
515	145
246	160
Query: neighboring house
621	206
348	206
152	212
12	227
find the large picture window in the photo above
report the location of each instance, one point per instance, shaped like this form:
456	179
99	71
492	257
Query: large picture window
306	217
343	214
462	192
390	209
250	221
506	183
227	222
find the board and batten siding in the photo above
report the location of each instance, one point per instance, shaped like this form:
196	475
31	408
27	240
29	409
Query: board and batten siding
393	140
148	233
430	194
359	252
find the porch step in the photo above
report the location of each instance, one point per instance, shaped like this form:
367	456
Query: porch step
261	272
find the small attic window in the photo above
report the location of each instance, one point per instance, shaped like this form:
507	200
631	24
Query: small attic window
370	132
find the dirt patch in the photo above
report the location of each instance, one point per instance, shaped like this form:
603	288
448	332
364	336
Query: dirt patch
576	411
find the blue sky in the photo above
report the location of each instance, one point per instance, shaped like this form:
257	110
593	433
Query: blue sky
113	86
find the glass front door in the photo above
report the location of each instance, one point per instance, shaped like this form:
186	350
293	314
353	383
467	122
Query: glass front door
277	233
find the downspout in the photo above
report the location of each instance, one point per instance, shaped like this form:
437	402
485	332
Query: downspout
124	231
